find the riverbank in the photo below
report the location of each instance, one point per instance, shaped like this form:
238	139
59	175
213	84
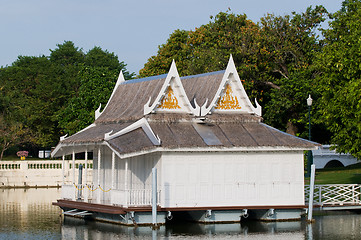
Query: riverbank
343	175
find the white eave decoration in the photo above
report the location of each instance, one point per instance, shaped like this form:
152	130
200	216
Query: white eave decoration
119	81
62	138
231	96
142	123
172	96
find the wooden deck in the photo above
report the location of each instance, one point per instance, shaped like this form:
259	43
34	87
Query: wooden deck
103	208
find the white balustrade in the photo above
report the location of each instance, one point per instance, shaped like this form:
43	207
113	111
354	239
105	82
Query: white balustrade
335	194
133	197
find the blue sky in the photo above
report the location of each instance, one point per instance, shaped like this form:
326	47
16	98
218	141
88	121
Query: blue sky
133	30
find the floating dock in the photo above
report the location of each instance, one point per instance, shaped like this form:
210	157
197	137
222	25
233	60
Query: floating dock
143	215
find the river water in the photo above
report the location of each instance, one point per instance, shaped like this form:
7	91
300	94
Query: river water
28	214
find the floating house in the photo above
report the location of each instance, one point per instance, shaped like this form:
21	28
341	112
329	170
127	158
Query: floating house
215	159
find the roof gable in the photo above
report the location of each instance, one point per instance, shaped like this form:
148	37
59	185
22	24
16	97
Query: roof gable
161	113
231	96
172	96
117	84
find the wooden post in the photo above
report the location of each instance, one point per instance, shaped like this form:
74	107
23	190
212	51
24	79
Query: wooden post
86	167
154	197
86	192
113	170
63	169
310	201
98	172
73	165
80	181
126	183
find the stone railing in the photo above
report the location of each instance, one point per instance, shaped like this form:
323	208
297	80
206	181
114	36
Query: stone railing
40	173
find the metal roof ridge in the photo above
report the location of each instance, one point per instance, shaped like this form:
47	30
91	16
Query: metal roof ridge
156	77
203	74
151	78
279	131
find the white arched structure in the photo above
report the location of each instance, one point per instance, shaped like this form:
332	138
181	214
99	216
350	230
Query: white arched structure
324	155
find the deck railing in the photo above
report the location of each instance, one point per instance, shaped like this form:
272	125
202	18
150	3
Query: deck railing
141	197
335	194
130	197
133	197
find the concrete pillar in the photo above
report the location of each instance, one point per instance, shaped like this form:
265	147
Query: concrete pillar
63	169
86	192
310	201
126	182
73	165
98	172
154	197
113	170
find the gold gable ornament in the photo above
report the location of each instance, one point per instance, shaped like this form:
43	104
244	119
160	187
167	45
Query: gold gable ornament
169	101
228	101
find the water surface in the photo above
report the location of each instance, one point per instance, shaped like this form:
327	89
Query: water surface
28	214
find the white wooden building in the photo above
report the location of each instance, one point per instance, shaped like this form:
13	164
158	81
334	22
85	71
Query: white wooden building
215	158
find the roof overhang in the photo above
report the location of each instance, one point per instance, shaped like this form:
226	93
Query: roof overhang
67	149
213	150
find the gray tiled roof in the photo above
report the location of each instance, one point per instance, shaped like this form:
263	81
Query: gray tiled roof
178	131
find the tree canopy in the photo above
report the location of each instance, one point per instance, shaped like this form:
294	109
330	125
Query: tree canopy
340	81
280	59
49	96
273	58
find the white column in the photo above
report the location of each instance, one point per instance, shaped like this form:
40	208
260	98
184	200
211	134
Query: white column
126	175
99	162
126	182
63	169
73	165
113	172
310	198
86	167
154	196
86	192
98	172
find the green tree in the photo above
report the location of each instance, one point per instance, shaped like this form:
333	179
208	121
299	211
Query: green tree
40	94
11	134
96	87
175	48
273	57
340	81
97	78
30	85
290	44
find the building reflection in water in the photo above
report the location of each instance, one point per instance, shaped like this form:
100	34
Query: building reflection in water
73	228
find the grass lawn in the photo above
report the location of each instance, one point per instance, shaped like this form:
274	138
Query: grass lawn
345	175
